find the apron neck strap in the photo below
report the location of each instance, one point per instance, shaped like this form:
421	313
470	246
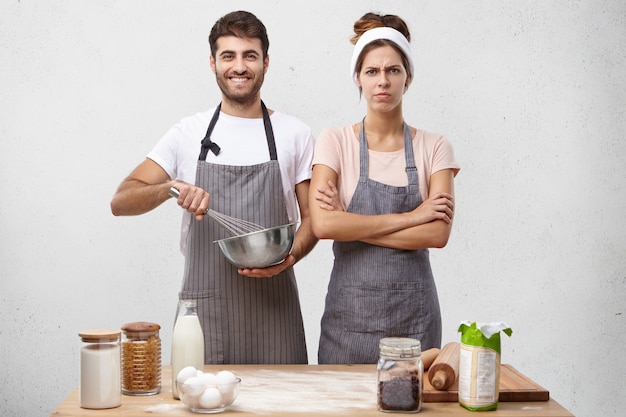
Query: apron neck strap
208	144
269	132
411	170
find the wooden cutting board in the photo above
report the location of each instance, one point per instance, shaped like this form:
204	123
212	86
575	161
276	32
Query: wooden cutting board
514	386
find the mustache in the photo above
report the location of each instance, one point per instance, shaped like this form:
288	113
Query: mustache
239	74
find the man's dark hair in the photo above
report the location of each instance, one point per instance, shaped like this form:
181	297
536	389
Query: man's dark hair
241	24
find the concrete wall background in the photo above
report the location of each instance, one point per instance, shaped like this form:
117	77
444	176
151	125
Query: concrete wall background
532	95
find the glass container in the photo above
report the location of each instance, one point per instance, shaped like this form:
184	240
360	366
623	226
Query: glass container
141	358
399	373
187	341
100	369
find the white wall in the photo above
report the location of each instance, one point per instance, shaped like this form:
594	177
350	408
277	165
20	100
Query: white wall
530	93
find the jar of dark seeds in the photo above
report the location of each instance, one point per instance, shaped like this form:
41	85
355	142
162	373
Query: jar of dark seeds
400	372
141	358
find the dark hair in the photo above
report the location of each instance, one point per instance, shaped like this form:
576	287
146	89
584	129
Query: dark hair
241	24
373	20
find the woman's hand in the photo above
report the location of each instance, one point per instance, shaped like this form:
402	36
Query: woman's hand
328	198
439	206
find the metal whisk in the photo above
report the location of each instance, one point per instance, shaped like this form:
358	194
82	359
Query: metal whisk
233	225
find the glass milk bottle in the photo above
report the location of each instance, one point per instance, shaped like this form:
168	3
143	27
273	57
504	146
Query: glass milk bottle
187	341
400	372
100	384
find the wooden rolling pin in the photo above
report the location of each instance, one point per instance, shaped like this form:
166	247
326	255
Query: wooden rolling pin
445	368
428	356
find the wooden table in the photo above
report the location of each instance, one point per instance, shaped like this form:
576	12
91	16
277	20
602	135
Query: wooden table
289	390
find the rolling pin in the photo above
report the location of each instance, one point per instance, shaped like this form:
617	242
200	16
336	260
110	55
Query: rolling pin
428	356
445	368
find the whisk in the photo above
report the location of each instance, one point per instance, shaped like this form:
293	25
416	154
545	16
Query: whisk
233	225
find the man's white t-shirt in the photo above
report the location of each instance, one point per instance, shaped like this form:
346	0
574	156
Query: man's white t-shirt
242	142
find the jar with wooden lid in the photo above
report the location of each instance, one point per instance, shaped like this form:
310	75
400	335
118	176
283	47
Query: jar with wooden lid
141	358
99	385
399	373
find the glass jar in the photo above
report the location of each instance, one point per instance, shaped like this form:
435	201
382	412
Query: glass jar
100	369
141	358
400	372
187	341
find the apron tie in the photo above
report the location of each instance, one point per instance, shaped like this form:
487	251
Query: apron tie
208	144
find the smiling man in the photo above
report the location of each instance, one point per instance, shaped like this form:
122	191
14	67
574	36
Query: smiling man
248	162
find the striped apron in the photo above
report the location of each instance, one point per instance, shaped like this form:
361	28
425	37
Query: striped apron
244	320
377	292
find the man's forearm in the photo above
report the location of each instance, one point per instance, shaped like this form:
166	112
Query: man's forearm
135	197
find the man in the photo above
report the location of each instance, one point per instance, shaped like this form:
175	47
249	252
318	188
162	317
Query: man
254	164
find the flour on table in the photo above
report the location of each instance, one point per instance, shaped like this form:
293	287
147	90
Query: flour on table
269	391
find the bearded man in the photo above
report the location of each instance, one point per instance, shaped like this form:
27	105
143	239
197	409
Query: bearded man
248	162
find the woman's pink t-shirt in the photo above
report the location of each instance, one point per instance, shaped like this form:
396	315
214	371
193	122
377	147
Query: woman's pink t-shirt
338	148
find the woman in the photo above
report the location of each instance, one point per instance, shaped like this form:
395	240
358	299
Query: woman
396	184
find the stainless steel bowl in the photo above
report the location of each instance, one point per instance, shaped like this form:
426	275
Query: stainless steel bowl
259	249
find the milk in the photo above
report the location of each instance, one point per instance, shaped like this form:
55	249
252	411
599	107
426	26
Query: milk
187	346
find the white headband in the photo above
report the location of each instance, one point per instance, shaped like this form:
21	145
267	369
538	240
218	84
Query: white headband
375	34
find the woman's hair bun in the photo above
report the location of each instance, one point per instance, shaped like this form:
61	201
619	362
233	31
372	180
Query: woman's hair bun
373	20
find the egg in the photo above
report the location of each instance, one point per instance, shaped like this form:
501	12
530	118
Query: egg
210	398
209	379
225	377
228	392
226	385
193	387
186	373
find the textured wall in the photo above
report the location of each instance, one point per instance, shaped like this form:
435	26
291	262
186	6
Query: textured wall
530	93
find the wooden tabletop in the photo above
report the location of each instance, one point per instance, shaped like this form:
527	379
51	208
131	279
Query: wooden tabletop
288	390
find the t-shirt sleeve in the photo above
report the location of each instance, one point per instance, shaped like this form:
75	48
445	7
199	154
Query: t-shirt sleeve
327	150
305	161
443	156
166	150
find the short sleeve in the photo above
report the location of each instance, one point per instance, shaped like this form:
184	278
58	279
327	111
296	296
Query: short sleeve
327	150
443	156
165	151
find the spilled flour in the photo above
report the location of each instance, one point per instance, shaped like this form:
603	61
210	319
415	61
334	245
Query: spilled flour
268	392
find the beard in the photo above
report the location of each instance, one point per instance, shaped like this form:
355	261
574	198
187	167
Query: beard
241	95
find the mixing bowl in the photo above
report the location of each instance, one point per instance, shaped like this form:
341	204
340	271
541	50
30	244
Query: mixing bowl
259	249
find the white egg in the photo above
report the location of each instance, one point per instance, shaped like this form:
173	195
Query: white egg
209	379
193	387
185	373
227	384
210	398
228	392
190	401
199	373
225	377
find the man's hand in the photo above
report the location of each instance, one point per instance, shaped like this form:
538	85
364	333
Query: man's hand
270	271
193	199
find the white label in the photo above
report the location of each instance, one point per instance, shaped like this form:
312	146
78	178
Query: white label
479	376
465	374
486	377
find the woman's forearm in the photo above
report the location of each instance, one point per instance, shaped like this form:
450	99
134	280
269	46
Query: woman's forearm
430	235
346	226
